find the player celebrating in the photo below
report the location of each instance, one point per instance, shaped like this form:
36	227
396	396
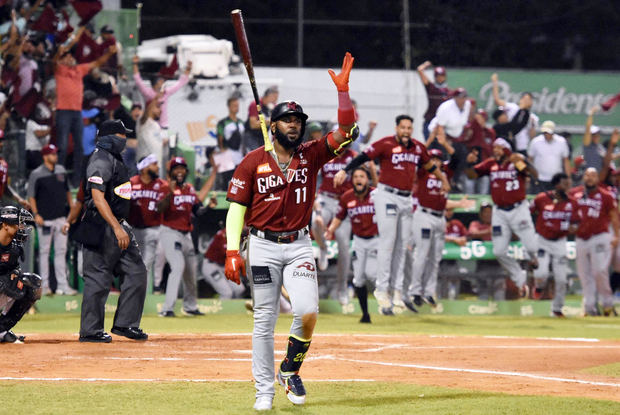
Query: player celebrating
597	208
508	172
18	291
399	155
357	204
556	210
274	191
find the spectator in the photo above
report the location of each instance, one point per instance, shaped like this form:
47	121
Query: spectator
89	118
450	274
479	138
229	135
253	137
106	39
213	268
37	136
593	150
548	153
50	198
150	134
130	119
314	131
363	138
437	92
508	128
69	95
522	137
157	90
4	179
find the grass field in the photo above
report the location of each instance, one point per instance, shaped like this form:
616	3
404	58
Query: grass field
402	395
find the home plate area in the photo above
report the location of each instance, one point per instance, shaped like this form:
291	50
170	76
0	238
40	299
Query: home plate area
536	366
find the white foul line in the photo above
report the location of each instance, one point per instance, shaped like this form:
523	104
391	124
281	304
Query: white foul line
479	371
162	380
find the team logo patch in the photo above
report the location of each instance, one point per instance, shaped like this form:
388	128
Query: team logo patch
272	198
123	190
95	179
397	149
239	183
351	204
263	168
307	265
234	190
261	275
137	186
5	257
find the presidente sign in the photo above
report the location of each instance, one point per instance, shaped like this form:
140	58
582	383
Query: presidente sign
563	97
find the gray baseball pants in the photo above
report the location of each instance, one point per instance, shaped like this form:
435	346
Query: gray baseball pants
364	260
271	265
553	252
148	239
48	233
593	259
429	233
180	254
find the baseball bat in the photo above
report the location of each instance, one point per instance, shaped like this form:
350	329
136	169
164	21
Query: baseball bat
244	47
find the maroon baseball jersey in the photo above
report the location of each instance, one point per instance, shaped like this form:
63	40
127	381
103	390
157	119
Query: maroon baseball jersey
593	210
275	200
4	175
361	212
455	229
428	190
179	213
216	252
398	163
329	170
507	184
554	216
476	227
144	197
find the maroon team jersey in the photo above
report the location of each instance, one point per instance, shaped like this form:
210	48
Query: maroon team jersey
329	170
179	213
455	229
216	252
507	184
4	175
554	216
593	211
398	163
144	197
361	212
429	192
275	200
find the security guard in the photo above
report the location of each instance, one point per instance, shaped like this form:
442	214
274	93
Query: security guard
109	246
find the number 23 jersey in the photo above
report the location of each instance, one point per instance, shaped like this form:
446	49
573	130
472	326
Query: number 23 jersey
276	200
507	184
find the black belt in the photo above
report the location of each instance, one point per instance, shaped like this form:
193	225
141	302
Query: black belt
279	237
396	191
509	207
366	237
433	212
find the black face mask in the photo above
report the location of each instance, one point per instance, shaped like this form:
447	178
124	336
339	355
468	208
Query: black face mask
153	174
285	142
112	143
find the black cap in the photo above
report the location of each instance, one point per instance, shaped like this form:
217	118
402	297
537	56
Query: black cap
106	29
111	127
498	112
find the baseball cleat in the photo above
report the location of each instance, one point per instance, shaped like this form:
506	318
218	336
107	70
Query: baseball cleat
10	337
383	299
397	301
166	314
609	311
386	311
192	313
524	291
430	301
263	403
294	388
365	319
558	314
323	262
417	300
410	306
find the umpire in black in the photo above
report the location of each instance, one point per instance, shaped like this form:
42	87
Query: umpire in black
109	246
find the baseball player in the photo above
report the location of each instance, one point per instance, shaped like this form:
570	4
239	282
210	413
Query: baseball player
399	156
596	209
178	204
508	172
556	211
213	268
18	290
429	228
146	190
326	206
356	203
273	192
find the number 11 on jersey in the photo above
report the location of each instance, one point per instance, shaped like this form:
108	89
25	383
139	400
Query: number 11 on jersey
300	195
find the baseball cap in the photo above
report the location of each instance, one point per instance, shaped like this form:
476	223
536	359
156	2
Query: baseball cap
111	127
548	127
595	129
177	161
439	70
314	126
460	92
49	149
106	29
435	152
484	204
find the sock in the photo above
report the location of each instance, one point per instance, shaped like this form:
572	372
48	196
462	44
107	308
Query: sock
362	297
614	281
295	354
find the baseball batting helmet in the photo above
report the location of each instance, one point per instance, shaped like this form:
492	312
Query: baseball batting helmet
176	161
435	152
290	108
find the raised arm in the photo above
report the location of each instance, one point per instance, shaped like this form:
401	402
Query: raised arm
587	135
103	58
609	155
183	80
421	68
347	129
498	101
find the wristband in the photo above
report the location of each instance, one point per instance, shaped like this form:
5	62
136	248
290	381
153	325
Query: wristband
338	148
520	165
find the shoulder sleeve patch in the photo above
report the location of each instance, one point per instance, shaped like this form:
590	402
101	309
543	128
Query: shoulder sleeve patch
95	179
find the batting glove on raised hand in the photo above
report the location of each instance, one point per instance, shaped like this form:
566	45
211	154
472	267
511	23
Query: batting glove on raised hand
342	79
234	267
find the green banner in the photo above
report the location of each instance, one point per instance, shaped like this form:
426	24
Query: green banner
563	97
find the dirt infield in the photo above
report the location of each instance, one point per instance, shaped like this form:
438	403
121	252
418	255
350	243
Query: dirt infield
498	364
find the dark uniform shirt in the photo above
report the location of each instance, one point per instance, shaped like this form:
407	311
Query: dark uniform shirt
108	173
9	257
49	189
